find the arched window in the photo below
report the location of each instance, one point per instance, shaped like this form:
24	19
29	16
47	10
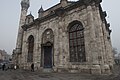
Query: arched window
76	42
30	48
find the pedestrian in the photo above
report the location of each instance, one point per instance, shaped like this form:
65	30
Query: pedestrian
3	67
32	67
15	67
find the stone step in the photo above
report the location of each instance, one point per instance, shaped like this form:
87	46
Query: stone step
48	70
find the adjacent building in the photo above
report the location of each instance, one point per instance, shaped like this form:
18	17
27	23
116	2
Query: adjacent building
4	56
117	59
68	37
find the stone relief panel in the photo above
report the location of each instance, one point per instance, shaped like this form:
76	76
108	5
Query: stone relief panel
47	36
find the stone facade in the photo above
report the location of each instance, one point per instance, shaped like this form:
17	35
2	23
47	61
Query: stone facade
50	34
4	56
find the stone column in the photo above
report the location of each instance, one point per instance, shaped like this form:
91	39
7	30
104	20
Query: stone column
95	67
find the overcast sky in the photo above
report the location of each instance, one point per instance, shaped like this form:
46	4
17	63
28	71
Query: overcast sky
10	14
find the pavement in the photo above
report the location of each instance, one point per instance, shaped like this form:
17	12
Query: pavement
28	75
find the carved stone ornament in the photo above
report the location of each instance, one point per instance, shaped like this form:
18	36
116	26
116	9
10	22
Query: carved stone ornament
47	36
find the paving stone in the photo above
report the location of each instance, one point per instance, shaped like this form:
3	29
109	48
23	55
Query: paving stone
28	75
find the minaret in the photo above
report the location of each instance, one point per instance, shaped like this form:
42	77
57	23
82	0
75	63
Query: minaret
24	8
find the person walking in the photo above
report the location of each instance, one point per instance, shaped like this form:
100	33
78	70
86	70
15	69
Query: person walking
3	67
32	67
15	67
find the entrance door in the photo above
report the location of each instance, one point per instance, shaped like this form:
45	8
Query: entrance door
47	56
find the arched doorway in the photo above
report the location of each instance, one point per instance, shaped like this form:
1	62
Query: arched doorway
47	56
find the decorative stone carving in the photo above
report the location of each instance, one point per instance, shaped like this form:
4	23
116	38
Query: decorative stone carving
47	36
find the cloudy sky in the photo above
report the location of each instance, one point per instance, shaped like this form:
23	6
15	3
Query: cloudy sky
10	13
